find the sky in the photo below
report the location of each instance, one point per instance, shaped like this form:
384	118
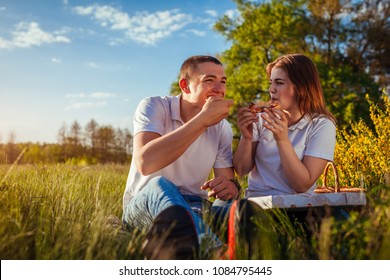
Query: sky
75	60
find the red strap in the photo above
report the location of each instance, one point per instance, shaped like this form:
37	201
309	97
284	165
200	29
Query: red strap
231	252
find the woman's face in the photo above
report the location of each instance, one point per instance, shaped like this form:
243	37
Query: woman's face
282	90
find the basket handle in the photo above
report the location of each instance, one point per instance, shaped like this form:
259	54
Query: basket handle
336	176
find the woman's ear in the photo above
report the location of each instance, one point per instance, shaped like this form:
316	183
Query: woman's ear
183	83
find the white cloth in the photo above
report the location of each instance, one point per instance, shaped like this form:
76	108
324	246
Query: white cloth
212	149
316	138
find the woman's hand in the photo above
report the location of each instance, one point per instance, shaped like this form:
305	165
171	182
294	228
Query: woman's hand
245	120
276	121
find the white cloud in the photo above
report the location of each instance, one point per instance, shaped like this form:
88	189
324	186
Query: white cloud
143	27
102	94
93	65
81	105
197	32
56	60
75	95
90	99
2	9
212	13
231	13
98	94
26	35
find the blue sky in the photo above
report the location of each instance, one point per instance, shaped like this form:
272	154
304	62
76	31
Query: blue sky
67	60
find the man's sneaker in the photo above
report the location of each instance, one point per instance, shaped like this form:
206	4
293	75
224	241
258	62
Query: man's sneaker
250	235
172	236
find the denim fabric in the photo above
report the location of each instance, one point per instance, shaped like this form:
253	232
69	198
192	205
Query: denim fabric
160	194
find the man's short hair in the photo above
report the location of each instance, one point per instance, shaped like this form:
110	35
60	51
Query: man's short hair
190	65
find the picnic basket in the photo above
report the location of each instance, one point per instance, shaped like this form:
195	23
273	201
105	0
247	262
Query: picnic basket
325	188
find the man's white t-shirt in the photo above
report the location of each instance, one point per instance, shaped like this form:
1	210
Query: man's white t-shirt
316	138
210	150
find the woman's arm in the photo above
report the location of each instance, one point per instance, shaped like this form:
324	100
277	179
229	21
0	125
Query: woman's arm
244	157
301	175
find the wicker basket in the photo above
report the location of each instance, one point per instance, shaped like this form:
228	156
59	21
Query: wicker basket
336	188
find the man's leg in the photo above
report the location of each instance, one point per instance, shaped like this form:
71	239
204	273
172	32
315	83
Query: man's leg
151	208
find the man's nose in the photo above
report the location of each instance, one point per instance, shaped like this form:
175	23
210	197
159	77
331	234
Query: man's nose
218	86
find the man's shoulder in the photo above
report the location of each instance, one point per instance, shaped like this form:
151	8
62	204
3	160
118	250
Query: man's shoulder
153	101
166	98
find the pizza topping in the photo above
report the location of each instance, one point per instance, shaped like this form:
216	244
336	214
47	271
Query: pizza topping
259	107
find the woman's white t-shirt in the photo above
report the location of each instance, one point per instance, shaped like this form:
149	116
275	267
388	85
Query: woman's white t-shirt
316	138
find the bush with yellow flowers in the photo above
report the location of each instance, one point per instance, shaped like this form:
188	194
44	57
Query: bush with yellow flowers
362	154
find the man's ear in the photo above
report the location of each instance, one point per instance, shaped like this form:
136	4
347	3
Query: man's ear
183	83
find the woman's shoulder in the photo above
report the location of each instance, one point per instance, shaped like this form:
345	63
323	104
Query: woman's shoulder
322	124
322	120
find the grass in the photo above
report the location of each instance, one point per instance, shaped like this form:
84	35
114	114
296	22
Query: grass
63	212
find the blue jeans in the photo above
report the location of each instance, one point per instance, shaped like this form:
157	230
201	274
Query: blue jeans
160	194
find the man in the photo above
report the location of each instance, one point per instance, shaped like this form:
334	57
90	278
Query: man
178	141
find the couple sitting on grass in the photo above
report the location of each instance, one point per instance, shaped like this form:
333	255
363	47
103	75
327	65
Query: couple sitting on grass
179	140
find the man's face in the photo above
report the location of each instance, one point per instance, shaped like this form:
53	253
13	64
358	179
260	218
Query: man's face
209	80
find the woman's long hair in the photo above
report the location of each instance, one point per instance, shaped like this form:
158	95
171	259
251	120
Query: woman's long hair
304	75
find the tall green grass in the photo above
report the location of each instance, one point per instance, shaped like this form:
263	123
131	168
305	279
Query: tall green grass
63	212
66	212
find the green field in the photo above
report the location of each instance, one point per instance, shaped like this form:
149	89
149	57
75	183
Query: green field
65	212
62	212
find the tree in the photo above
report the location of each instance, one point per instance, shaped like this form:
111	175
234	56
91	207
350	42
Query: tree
106	142
11	149
369	39
323	30
128	141
326	27
263	31
75	134
90	133
61	135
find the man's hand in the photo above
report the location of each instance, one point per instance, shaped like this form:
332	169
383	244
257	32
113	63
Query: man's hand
221	188
215	109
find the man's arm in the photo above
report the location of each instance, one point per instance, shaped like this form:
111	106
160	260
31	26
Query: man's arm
153	152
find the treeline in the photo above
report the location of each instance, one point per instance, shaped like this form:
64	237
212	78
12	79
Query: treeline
91	144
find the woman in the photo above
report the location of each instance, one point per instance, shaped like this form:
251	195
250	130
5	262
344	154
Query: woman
285	148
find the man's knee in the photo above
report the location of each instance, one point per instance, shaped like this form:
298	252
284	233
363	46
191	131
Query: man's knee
163	185
161	181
